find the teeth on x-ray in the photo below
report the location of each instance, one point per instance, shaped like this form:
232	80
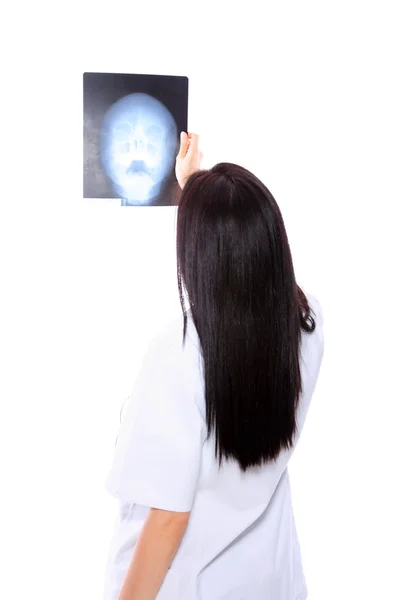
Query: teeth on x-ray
138	143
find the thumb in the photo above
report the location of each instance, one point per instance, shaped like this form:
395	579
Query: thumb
185	142
194	143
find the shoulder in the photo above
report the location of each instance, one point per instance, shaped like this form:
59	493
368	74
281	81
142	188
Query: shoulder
168	354
170	337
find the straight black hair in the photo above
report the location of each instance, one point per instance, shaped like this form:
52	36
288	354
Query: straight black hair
234	260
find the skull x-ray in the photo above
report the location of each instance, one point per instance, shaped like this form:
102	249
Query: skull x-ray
131	136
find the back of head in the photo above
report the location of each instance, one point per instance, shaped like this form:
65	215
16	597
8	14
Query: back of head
235	264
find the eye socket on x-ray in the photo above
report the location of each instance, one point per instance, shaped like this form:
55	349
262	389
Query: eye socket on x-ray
154	133
123	130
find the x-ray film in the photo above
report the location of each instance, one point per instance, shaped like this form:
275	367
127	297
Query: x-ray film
131	127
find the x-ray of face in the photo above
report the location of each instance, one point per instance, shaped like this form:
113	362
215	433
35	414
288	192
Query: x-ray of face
131	136
138	145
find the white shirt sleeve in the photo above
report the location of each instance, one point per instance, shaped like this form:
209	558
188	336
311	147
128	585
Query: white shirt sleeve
158	453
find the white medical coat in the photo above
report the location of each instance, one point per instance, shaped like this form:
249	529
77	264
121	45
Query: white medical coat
241	541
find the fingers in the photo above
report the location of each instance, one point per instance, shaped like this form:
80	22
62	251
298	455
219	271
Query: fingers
185	143
194	143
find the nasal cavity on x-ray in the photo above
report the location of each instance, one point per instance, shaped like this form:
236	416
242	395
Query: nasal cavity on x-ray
138	145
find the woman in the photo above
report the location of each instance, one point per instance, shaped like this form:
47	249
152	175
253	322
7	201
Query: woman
200	468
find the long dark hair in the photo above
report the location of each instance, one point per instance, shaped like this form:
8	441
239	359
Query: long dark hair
235	263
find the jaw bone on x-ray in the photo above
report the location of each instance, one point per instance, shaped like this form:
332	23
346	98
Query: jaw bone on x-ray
138	144
131	136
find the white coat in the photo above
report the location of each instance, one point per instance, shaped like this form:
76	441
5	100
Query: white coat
241	541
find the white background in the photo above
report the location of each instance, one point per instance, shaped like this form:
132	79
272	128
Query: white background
306	95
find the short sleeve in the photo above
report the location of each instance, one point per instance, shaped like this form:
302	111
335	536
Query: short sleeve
158	453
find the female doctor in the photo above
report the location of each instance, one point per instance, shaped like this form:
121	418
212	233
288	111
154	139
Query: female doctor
200	466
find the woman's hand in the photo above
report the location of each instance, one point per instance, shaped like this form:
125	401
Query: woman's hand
189	157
